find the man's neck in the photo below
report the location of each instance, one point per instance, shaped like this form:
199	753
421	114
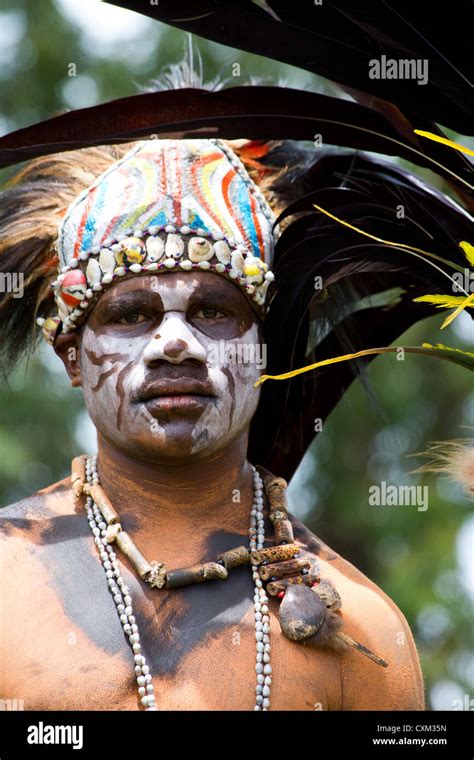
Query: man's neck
172	510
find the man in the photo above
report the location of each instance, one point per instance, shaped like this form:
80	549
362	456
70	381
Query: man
165	262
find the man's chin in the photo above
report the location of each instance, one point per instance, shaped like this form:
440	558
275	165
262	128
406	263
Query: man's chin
176	443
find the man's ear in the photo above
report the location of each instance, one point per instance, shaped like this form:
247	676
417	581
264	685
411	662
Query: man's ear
67	346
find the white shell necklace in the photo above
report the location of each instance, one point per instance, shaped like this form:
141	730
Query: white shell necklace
123	600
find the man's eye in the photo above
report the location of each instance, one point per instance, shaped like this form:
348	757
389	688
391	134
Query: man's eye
209	313
132	318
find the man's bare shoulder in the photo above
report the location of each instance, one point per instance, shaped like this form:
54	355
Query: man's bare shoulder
21	517
28	525
373	619
45	502
332	563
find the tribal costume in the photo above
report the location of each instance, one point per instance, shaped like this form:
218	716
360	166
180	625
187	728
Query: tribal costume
318	241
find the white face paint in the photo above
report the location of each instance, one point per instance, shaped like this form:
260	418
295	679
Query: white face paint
237	399
191	335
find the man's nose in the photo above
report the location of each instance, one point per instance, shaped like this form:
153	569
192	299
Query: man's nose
174	342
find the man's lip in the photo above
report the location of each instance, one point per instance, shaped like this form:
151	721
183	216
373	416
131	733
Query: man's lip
177	402
176	389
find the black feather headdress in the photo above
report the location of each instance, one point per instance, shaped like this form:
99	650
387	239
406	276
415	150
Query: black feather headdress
345	292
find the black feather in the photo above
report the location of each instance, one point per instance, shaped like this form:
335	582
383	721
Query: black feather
320	325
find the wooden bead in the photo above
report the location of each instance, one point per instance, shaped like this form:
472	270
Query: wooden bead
104	504
78	468
275	488
284	569
126	545
112	532
78	476
234	557
283	531
278	514
298	580
274	553
185	576
269	479
277	499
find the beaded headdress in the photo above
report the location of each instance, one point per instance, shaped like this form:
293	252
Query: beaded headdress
167	205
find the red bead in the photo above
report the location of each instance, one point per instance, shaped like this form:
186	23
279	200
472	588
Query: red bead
281	594
73	287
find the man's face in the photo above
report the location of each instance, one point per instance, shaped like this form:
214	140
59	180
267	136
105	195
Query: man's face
165	365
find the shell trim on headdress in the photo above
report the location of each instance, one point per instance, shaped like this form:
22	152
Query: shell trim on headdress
201	182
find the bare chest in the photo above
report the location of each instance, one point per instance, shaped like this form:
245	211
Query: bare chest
199	643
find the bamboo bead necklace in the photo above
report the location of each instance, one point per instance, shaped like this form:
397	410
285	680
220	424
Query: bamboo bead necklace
309	603
106	529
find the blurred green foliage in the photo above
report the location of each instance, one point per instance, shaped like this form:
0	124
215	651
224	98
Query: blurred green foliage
419	558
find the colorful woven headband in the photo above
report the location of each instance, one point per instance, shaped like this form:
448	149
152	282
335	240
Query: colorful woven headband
166	205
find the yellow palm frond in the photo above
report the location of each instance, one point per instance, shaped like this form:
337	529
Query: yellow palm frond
411	249
441	302
444	141
468	250
440	351
469	301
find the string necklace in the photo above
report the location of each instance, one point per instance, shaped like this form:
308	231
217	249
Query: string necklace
310	605
106	529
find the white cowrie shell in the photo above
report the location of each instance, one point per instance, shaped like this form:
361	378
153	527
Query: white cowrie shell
93	272
200	249
174	246
107	261
238	262
155	249
222	251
